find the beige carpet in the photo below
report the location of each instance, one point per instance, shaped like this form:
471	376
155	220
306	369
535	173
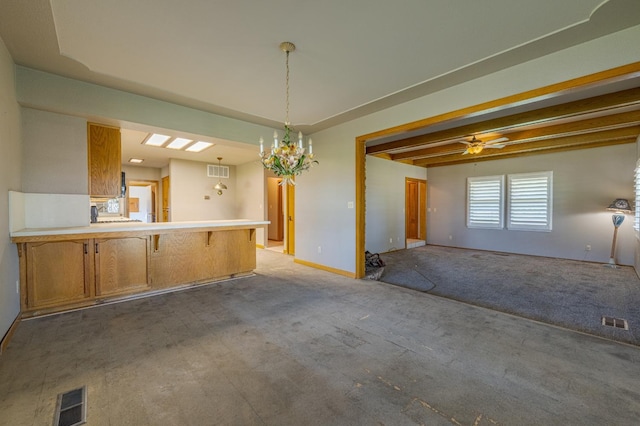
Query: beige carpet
567	293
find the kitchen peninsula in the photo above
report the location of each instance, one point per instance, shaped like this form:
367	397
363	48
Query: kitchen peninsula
63	268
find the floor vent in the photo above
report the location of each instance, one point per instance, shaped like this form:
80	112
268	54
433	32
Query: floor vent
615	322
71	408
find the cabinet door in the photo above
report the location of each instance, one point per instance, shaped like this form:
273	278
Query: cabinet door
58	273
121	265
104	161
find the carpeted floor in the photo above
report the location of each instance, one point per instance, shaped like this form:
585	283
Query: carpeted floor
571	294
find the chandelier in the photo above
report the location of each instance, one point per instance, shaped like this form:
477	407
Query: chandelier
286	158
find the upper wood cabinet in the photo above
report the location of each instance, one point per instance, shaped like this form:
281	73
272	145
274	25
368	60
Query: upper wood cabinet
104	160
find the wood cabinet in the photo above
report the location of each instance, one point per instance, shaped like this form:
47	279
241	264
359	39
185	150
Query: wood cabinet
121	265
73	273
104	157
57	273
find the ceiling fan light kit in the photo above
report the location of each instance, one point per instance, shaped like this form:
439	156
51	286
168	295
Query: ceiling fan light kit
475	146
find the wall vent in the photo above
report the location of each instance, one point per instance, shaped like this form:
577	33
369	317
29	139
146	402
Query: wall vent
214	170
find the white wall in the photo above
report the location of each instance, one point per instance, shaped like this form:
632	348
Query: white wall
10	180
585	182
251	195
322	194
54	154
385	193
189	188
143	194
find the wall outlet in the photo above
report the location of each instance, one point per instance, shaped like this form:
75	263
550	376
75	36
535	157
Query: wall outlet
319	249
390	240
350	205
588	247
450	237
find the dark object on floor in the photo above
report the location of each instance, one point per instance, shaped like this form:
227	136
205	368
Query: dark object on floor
373	260
374	266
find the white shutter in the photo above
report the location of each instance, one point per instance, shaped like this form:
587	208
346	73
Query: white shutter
530	201
636	219
485	202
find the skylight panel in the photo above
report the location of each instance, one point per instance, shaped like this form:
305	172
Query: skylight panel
199	146
179	143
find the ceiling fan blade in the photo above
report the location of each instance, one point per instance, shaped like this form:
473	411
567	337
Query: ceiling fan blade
466	152
494	141
465	142
494	146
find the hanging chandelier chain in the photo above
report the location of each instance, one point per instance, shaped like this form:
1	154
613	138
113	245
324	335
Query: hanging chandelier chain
287	94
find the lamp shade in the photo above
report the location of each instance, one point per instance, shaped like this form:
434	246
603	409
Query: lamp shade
620	205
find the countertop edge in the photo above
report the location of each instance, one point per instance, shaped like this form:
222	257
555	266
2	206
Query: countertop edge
135	228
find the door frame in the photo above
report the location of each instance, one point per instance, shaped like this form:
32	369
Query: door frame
154	184
290	231
422	208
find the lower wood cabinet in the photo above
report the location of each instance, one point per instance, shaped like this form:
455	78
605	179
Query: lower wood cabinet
121	265
58	273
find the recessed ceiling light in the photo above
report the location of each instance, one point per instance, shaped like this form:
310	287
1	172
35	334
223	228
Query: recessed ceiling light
199	146
136	160
179	143
156	139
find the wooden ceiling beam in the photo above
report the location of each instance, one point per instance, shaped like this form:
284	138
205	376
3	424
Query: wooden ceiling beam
602	138
555	112
626	119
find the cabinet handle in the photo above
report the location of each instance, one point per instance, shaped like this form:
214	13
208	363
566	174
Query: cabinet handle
96	248
85	248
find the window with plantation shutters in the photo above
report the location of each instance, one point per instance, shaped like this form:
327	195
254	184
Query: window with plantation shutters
485	202
530	201
636	219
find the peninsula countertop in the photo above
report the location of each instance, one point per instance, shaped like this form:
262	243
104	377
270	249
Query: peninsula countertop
133	228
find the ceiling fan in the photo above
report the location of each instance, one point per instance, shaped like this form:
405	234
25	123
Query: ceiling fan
475	146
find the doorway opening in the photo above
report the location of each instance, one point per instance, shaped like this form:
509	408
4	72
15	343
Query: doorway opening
415	212
142	201
275	215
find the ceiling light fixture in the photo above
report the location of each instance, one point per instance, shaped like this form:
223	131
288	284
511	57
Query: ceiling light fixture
136	160
156	139
179	143
287	159
220	186
199	146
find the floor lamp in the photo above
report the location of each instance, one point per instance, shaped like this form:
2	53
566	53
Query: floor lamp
620	206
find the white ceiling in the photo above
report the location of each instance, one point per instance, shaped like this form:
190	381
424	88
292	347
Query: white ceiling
352	58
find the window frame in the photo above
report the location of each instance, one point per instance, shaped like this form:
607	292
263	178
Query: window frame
499	224
546	224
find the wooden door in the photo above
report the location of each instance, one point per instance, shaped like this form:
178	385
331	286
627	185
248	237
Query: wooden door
422	207
104	152
121	265
165	199
58	273
275	211
415	209
411	209
291	221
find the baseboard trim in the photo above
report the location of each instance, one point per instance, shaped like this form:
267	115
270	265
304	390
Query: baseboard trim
326	268
9	334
